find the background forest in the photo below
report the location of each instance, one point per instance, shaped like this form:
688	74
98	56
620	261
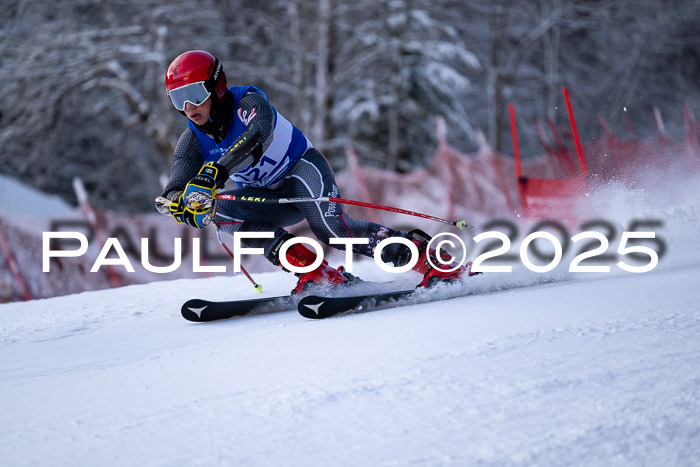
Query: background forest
83	80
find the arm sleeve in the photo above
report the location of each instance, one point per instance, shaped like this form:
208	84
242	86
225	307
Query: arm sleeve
187	160
256	112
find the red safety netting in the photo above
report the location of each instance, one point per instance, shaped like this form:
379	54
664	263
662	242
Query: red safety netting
477	187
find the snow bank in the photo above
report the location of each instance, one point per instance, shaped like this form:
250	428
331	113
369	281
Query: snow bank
16	198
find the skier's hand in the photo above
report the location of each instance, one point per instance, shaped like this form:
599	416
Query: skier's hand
196	206
200	193
197	218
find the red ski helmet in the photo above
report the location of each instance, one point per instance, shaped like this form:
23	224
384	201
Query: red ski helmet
198	68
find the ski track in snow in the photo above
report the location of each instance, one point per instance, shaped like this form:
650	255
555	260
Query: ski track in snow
592	371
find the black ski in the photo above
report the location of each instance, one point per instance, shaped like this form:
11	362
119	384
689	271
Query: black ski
319	307
204	310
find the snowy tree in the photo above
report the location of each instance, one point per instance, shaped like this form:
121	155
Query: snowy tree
83	79
611	54
84	94
402	64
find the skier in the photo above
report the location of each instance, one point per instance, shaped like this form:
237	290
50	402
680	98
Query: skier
234	132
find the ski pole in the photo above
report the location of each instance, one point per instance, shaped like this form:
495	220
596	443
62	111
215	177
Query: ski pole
258	287
165	202
461	225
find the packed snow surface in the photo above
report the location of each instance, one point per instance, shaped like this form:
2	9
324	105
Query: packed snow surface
600	370
557	369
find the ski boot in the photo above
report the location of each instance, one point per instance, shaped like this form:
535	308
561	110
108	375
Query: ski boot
431	275
323	276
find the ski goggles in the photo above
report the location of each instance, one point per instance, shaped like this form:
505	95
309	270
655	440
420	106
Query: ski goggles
195	94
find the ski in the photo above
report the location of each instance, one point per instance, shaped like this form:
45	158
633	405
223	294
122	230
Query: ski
198	310
204	310
356	296
320	306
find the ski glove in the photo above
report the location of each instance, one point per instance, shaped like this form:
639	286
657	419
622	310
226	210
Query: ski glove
198	218
200	193
196	206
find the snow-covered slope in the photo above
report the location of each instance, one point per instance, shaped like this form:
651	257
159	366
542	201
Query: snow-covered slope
601	370
17	198
587	369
